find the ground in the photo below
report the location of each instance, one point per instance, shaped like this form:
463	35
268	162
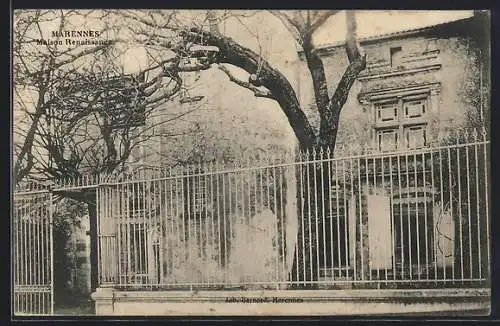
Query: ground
78	308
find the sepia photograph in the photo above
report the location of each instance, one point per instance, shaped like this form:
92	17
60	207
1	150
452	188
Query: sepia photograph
182	162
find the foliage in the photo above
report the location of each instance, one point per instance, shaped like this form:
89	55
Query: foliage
66	219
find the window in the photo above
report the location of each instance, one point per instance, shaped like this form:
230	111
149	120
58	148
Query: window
387	139
414	109
396	56
401	123
387	112
415	137
412	252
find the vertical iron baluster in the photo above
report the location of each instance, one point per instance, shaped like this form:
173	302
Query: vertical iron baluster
337	217
179	212
417	221
450	174
309	220
51	241
383	187
302	217
346	219
282	222
360	225
459	210
486	197
316	219
322	162
479	255
393	231
433	207
330	219
410	265
401	224
469	226
354	227
426	226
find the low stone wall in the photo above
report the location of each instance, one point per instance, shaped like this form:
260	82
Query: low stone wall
288	303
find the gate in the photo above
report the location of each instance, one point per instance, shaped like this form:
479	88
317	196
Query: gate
32	254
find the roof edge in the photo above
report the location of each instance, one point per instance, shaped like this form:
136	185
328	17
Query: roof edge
386	36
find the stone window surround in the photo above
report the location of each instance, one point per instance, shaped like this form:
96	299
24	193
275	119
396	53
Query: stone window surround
369	99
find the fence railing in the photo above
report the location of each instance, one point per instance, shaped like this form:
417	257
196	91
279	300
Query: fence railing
405	219
32	259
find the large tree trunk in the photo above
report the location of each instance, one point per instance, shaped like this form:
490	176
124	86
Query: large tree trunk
313	197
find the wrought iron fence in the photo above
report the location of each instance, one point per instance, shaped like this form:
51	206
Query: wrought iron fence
32	259
409	219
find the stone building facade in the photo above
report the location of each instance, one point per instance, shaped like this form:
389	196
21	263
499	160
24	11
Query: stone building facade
419	87
418	84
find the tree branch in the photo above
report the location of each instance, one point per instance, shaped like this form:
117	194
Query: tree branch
303	29
257	91
269	77
289	25
351	45
357	63
317	70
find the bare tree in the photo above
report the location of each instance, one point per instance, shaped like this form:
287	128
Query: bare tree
76	110
266	81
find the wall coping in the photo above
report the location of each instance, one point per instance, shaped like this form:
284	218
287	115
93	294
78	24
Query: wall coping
292	302
399	72
306	295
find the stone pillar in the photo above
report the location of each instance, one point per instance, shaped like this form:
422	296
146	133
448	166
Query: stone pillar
103	299
368	108
434	128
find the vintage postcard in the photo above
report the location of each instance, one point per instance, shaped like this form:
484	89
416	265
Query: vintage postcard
251	162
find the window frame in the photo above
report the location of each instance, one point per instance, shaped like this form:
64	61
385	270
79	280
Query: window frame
406	132
396	50
423	106
379	135
401	121
380	107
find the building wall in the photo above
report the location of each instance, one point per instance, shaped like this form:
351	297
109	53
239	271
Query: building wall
445	67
